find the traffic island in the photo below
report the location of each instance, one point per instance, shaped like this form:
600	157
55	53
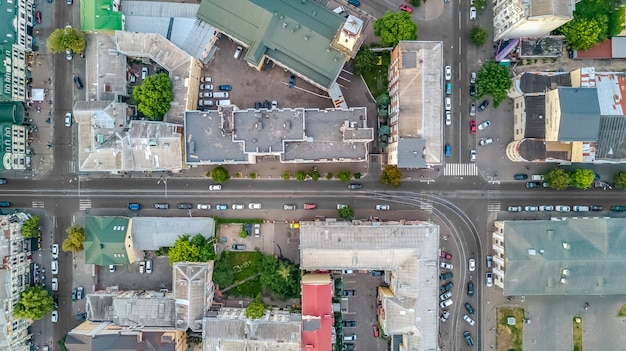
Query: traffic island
622	311
577	327
510	328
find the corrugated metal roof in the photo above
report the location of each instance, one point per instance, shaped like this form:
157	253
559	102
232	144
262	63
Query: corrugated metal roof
580	114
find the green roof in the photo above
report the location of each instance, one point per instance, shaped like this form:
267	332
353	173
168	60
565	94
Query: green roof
12	112
104	240
99	15
296	34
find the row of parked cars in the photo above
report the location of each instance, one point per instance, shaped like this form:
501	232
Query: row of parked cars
563	208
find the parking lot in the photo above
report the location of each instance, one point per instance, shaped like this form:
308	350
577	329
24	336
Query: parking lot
128	277
250	85
362	309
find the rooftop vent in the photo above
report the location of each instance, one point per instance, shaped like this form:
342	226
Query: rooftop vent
566	245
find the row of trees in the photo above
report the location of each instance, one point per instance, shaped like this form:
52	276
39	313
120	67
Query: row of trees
192	249
559	179
594	21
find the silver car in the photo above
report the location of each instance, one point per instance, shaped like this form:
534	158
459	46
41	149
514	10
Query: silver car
472	109
448	104
561	208
489	276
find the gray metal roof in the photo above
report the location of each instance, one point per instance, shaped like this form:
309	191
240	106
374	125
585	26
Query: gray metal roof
565	257
536	82
132	308
412	153
580	114
108	337
193	287
547	8
151	233
611	143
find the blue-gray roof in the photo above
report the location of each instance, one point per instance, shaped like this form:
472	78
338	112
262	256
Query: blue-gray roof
580	114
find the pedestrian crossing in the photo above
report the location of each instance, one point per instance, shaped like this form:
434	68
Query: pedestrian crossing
493	206
84	204
426	206
460	169
37	204
68	167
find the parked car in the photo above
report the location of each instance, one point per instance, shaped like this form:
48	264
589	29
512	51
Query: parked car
348	293
580	208
445	315
238	206
38	17
446	276
448	73
309	206
520	176
294	225
618	208
468	339
376	273
257	230
470	289
473	78
375	329
445	255
472	111
355	3
111	268
206	79
254	206
531	208
469	308
447	150
472	264
530	185
80	293
448	88
472	13
446	287
226	87
55	267
445	265
382	207
206	94
206	86
239	247
489	260
68	55
148	266
472	155
483	106
561	208
355	186
406	8
55	284
349	324
448	104
292	79
448	118
472	127
55	251
489	280
348	347
445	296
203	206
340	206
484	125
468	319
142	267
161	206
144	72
472	90
74	294
485	141
54	316
77	82
184	206
221	207
546	208
3	181
514	208
288	207
596	208
444	304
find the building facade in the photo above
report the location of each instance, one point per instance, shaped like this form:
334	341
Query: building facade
529	18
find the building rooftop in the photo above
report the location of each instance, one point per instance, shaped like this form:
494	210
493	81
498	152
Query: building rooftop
543	8
546	46
535	116
580	114
152	233
540	82
132	308
575	256
105	240
296	135
317	315
193	286
90	336
100	15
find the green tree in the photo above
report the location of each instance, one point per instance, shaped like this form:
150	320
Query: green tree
391	175
30	227
480	4
557	178
67	38
581	33
344	176
582	178
256	308
620	180
364	60
220	174
395	26
154	95
478	35
196	249
301	176
280	276
493	80
74	240
384	130
616	22
315	175
34	303
329	175
223	274
383	100
346	213
286	175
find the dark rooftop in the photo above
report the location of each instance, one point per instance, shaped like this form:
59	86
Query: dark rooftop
535	116
611	143
536	83
533	150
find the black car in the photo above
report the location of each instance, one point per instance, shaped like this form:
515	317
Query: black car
77	82
618	208
348	346
470	289
185	206
520	176
446	287
445	276
595	208
376	273
468	339
292	79
267	104
74	294
355	186
531	185
483	106
348	293
469	308
258	105
472	90
349	324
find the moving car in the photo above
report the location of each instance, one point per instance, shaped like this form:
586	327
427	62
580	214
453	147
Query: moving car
309	206
484	125
489	276
355	186
55	251
68	119
446	265
3	180
530	185
184	206
239	246
447	150
77	82
406	8
561	208
55	316
238	206
468	319
483	106
448	73
469	308
472	109
221	207
289	207
514	208
472	155
382	207
472	264
448	118
204	206
448	104
254	206
215	187
472	13
133	206
468	339
520	176
470	289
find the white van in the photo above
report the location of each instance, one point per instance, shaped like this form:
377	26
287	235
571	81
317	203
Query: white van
223	103
581	208
220	95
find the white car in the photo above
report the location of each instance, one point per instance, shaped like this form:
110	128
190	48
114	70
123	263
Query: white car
445	315
340	206
55	284
473	75
472	264
472	109
55	316
531	208
382	207
446	265
204	206
55	267
485	141
448	104
472	155
448	72
561	208
68	119
448	118
68	55
445	296
254	206
206	79
111	268
484	125
206	86
468	319
546	208
472	13
274	104
55	251
445	304
489	276
257	230
238	206
215	187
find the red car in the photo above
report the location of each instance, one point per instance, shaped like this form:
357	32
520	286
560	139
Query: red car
445	255
472	127
310	206
375	329
38	16
406	8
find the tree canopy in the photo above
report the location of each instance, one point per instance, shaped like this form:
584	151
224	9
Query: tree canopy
67	38
478	35
195	249
594	21
620	180
391	176
74	240
346	213
256	308
223	274
220	174
480	4
582	178
30	227
280	276
344	176
581	33
493	80
395	26
364	60
34	303
557	178
154	95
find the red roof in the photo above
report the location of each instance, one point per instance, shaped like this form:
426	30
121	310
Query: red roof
317	305
603	50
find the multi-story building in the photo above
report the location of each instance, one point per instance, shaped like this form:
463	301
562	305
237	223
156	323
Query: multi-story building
15	277
529	18
16	45
416	107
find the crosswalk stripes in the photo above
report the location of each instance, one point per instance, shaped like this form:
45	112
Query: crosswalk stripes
426	206
494	206
460	169
84	204
38	204
69	166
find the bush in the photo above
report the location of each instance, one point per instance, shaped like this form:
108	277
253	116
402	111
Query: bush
344	176
220	174
252	175
301	176
286	175
329	175
357	175
315	175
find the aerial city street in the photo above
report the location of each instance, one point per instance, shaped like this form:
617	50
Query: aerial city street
313	174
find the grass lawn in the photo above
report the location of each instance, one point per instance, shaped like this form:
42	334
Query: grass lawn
376	78
245	264
622	311
509	337
250	288
577	326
